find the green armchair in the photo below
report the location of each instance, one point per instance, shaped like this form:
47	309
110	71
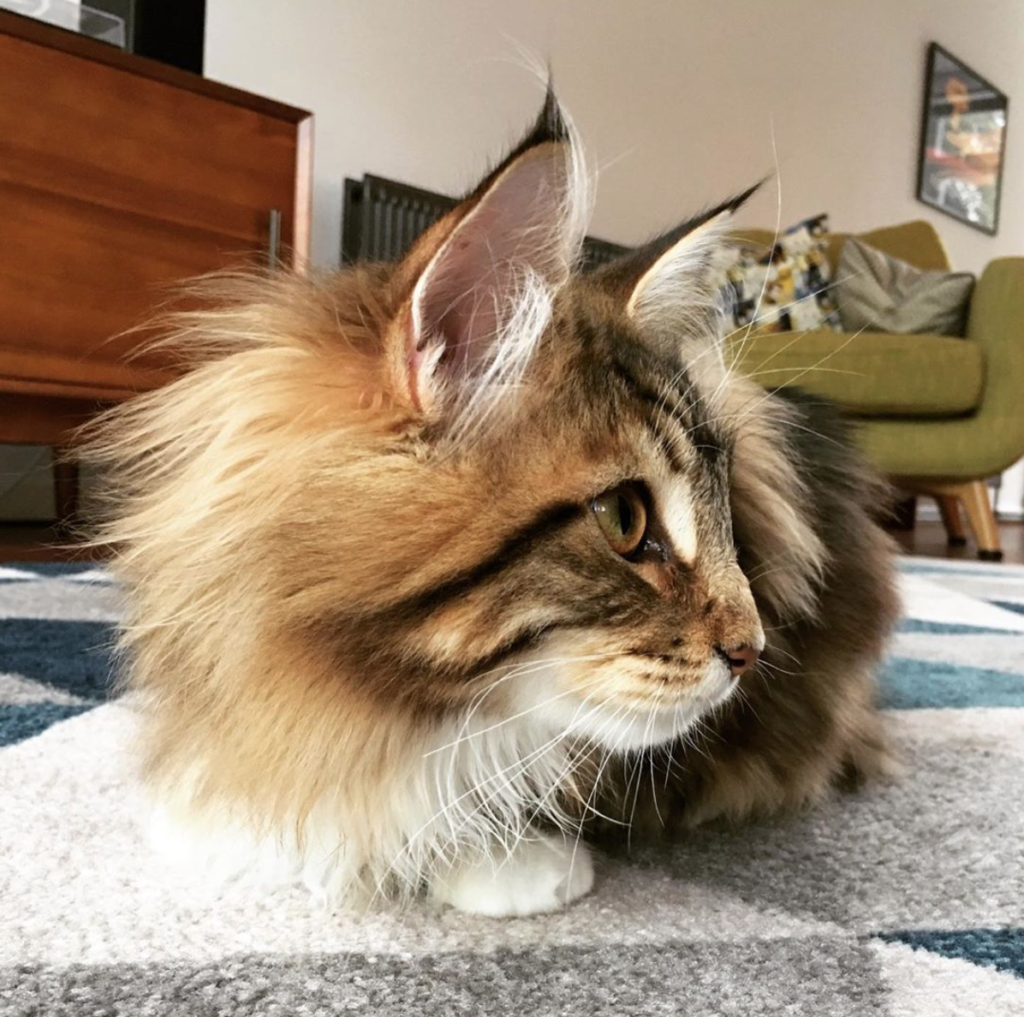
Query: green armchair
937	415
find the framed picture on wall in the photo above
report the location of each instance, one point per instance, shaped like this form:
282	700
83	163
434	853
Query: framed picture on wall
963	136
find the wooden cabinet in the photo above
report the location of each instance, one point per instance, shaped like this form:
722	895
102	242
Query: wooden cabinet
118	177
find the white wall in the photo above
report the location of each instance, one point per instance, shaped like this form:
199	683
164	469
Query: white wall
683	102
677	98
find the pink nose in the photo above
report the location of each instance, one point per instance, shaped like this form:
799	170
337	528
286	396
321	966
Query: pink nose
739	658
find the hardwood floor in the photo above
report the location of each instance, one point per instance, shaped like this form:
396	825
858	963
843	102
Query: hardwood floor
929	538
39	542
34	542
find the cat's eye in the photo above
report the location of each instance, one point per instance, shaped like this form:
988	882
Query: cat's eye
622	516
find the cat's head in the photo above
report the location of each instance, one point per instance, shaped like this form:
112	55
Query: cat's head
476	479
576	557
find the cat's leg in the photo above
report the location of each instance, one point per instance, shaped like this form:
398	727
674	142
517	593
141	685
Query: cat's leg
543	872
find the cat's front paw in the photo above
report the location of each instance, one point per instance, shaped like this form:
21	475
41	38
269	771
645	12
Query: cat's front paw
543	873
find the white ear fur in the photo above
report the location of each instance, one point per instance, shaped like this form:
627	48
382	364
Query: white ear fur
675	300
485	297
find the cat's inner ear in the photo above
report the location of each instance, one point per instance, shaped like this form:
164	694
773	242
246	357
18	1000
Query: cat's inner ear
668	286
676	294
489	275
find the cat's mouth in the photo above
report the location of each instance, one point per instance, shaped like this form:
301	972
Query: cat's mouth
630	702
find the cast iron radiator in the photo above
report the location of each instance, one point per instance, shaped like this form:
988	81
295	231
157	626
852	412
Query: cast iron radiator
381	218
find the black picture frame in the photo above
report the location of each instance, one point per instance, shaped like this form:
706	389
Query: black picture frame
963	142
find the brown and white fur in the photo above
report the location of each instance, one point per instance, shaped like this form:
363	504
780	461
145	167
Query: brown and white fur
380	640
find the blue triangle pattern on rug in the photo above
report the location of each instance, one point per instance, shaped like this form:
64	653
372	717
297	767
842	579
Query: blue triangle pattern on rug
25	720
951	628
924	567
1009	605
1002	949
71	655
908	684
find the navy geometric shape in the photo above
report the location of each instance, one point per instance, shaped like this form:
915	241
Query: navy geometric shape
909	684
951	628
1009	605
72	655
1002	949
29	719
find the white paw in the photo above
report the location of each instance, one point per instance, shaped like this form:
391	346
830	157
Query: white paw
543	873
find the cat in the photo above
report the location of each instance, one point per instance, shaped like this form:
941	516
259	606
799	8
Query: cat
413	551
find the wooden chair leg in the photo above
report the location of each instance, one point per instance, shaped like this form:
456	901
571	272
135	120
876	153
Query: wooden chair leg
904	514
949	508
982	520
65	488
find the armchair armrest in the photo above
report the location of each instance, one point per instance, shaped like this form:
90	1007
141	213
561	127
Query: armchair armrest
996	323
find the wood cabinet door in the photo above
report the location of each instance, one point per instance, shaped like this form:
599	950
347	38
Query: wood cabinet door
113	187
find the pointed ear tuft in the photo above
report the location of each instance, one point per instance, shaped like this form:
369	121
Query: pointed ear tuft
551	123
484	278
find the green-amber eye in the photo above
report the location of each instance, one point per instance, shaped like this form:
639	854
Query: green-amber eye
622	516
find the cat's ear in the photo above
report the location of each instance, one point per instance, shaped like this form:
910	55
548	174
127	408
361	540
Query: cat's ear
483	279
667	285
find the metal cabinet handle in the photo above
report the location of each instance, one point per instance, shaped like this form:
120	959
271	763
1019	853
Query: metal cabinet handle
274	242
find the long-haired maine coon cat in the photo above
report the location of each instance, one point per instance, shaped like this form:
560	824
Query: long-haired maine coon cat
416	552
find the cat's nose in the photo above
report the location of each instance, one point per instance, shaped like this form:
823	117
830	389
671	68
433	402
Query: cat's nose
739	658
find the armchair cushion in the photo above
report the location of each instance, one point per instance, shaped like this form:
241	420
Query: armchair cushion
880	293
873	374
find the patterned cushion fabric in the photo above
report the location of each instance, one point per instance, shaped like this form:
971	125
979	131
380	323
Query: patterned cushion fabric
879	293
786	288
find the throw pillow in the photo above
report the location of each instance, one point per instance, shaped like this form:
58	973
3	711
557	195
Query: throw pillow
879	293
786	288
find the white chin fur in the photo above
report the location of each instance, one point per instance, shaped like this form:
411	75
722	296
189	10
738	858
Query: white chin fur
466	790
614	727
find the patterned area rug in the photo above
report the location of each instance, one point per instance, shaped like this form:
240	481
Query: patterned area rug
905	900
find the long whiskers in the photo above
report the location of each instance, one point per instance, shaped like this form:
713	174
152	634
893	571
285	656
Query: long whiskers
532	667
